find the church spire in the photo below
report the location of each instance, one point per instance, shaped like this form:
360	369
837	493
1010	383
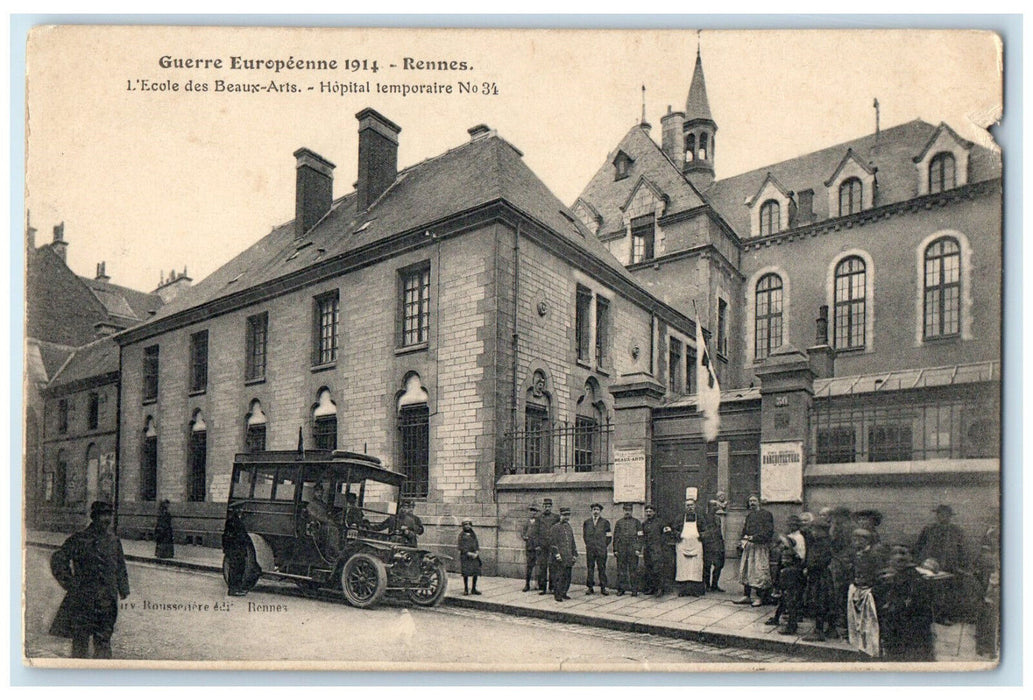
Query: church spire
699	129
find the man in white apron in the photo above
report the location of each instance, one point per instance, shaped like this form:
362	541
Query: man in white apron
688	551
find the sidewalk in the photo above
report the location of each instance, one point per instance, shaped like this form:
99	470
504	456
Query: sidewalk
713	618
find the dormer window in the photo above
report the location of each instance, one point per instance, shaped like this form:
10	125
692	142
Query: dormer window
621	165
850	196
643	238
941	173
770	218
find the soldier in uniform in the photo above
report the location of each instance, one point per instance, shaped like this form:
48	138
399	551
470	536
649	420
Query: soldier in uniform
529	534
91	567
656	537
564	555
545	563
627	548
596	533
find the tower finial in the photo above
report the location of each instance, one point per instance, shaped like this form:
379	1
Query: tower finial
643	105
875	104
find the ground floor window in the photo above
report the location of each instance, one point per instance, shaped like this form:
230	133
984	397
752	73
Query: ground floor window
414	433
198	463
149	469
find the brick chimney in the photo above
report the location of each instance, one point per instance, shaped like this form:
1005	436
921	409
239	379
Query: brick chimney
804	207
672	124
102	276
173	285
60	246
378	156
314	193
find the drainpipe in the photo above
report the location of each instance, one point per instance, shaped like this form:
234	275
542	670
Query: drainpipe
515	344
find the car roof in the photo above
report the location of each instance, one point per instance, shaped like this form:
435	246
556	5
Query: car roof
361	466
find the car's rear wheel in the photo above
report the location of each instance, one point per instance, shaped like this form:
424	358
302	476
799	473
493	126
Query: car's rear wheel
432	593
364	580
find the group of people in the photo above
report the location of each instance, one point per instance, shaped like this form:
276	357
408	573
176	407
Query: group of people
835	569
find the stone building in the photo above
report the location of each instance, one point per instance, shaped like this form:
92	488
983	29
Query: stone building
71	379
854	300
452	317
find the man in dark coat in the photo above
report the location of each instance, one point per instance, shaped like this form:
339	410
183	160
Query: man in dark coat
405	524
841	566
529	534
164	540
545	561
236	546
597	534
564	555
755	567
945	542
627	548
469	557
904	607
656	549
818	576
713	538
91	567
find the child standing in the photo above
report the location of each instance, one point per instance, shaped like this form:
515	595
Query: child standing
469	557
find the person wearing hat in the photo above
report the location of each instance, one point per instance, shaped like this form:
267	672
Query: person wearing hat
688	551
91	567
563	549
529	534
656	536
469	557
945	542
904	608
627	548
755	567
862	615
236	548
546	520
713	539
404	524
596	532
164	547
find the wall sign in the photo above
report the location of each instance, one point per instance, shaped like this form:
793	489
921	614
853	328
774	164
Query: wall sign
629	476
781	471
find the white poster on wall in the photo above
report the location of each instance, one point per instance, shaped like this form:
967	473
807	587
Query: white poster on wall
781	471
629	476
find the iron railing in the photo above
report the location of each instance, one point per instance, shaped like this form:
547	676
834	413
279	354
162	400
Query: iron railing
583	446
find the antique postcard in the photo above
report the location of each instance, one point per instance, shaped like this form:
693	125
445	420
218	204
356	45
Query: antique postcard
440	349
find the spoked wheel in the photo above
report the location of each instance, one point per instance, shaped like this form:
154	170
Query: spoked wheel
434	591
364	580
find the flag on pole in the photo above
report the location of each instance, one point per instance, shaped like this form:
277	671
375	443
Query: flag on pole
708	396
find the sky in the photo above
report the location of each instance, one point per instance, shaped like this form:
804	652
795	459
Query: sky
149	181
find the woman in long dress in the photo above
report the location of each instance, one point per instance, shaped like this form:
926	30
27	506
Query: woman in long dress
688	553
163	537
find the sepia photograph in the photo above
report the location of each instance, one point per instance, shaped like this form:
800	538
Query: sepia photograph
470	350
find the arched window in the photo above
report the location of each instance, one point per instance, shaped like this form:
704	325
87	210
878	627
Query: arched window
690	148
850	201
149	462
324	422
414	437
198	456
770	218
254	428
850	285
538	426
768	315
591	435
702	146
941	173
942	290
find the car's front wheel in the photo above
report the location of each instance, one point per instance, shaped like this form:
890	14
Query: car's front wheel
436	581
364	580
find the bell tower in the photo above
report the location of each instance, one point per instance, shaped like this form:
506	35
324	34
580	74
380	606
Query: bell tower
699	129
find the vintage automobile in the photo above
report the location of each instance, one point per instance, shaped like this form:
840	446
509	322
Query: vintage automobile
326	519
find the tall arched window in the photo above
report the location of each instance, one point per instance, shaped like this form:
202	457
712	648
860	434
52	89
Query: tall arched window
198	456
149	462
942	291
324	422
591	435
941	173
703	146
770	218
850	201
768	315
850	285
690	148
254	430
414	437
538	426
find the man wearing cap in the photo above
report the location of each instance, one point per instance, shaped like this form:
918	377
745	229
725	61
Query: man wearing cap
236	548
656	536
862	616
755	567
627	548
713	538
91	567
944	542
564	555
529	534
545	562
404	524
597	534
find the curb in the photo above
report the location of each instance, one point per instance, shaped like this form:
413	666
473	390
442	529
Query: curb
812	651
817	653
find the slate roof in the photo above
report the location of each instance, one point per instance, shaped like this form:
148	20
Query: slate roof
697	106
478	172
897	174
606	195
95	359
123	302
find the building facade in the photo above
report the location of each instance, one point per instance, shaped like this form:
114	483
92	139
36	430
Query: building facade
853	299
453	318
